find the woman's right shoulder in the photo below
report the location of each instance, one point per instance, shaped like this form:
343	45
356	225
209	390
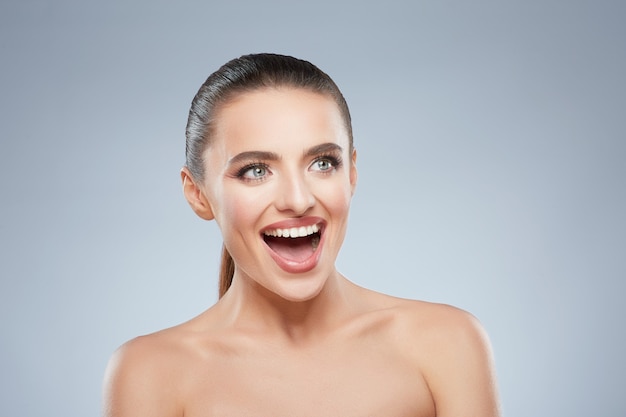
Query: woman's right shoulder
147	375
169	346
141	376
144	352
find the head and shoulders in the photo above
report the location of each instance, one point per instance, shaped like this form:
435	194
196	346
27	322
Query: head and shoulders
270	158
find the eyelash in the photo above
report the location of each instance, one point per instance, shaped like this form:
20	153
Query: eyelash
334	160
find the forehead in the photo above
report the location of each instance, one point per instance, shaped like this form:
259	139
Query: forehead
278	118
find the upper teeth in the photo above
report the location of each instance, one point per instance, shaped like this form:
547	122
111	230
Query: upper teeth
293	232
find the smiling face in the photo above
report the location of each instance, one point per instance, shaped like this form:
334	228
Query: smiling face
279	179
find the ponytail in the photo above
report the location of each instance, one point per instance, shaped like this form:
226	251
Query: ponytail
227	270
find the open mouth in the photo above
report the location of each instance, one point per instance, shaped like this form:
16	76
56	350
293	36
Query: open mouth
295	244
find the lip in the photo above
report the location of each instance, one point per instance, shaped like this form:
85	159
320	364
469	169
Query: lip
290	266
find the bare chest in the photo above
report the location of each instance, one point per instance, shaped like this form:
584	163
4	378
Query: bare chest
347	383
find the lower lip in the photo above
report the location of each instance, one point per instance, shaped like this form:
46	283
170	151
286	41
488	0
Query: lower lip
294	267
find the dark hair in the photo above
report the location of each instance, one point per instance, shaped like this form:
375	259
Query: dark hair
241	75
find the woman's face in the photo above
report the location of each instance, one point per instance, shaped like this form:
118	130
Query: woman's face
279	180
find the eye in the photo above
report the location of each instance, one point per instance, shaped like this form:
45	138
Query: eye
325	164
253	172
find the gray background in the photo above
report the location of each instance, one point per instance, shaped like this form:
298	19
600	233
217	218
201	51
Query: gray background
491	140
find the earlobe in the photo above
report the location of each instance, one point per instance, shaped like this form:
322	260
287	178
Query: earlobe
195	196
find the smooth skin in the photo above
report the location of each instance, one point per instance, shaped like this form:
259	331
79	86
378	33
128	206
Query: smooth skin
291	341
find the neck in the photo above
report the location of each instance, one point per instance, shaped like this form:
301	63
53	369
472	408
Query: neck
253	307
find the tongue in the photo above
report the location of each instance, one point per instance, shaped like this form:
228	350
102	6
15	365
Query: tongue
293	249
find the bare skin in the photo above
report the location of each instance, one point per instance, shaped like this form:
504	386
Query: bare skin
372	355
293	337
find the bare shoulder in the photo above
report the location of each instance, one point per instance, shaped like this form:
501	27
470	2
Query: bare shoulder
147	375
429	323
441	324
456	359
141	354
140	378
452	351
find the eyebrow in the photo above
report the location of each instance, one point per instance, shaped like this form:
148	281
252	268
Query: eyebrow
253	156
323	148
272	156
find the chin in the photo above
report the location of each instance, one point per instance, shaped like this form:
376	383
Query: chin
300	289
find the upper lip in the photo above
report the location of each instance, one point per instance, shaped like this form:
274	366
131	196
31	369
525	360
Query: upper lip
294	227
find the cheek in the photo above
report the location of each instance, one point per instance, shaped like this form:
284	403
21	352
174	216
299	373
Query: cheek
337	198
239	209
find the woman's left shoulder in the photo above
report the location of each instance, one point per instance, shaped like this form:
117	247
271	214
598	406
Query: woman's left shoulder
451	348
423	326
432	332
446	316
435	321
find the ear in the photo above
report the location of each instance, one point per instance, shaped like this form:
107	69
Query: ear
353	172
195	196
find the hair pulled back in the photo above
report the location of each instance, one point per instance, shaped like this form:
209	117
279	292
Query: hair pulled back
241	75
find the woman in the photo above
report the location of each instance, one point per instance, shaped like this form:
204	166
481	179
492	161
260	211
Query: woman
270	158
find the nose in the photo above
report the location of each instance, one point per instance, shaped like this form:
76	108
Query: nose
294	195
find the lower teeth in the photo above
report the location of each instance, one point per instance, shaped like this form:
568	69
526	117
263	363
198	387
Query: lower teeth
315	241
